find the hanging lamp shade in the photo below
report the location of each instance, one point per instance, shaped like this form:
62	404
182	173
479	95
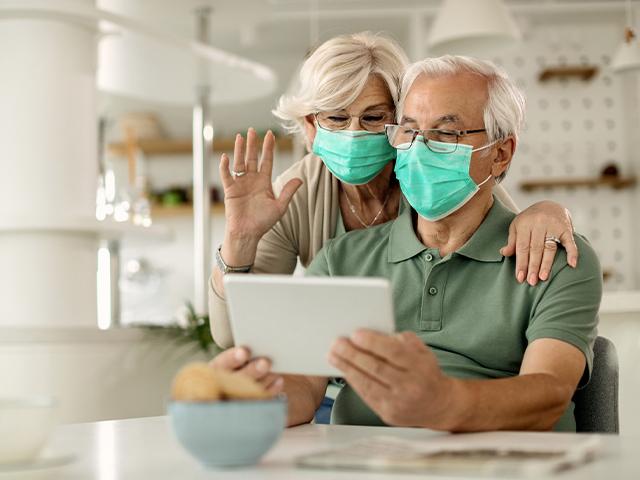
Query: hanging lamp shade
136	66
155	65
472	27
627	56
138	60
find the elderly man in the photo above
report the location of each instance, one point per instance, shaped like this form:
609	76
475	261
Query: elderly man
478	349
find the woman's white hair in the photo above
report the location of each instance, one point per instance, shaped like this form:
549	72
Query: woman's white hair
336	73
505	108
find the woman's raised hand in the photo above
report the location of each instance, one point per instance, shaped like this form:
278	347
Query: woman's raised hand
251	208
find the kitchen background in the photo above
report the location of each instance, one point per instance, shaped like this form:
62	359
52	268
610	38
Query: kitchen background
580	148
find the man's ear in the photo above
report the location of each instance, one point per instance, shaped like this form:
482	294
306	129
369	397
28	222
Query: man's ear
309	124
505	151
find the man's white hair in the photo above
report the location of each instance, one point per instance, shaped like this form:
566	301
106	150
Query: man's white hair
336	73
505	109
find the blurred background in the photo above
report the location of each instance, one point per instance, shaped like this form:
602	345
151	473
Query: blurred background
99	100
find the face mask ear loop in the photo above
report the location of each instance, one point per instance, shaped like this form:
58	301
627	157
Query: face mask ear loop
486	146
486	180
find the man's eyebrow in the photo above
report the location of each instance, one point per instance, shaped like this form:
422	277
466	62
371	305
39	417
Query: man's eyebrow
448	118
406	119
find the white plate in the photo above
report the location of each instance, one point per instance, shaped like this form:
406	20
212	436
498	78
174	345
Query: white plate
45	460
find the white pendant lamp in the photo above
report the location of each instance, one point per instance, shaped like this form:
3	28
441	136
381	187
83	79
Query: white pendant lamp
471	27
627	56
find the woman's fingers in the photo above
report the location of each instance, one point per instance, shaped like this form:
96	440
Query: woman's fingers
225	175
266	162
238	154
510	248
252	151
550	250
569	244
536	249
290	188
522	254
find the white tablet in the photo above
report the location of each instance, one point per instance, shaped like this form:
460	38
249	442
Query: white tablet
294	320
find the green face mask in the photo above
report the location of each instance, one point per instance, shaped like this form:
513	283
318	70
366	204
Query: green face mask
354	157
437	184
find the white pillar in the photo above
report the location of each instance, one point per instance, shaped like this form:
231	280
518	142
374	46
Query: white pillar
49	169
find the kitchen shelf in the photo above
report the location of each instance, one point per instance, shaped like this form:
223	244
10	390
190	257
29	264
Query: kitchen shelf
583	72
107	229
614	182
165	146
162	211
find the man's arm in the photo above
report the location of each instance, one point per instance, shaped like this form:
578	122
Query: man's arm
533	400
400	379
304	396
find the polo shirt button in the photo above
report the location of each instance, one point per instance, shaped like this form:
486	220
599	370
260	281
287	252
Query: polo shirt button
433	290
429	257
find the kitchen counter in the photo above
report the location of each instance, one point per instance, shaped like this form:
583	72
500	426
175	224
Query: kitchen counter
146	448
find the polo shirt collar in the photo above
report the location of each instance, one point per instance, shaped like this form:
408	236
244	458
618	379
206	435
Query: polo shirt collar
484	245
403	242
492	234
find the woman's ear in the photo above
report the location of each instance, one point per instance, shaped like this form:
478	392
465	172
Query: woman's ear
309	124
505	152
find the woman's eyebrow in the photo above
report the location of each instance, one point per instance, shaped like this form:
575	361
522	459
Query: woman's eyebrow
379	105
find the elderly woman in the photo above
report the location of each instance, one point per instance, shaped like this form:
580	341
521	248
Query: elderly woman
348	91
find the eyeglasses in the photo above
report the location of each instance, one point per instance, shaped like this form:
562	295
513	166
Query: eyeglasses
437	140
372	121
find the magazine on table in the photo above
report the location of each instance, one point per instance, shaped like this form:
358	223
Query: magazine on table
521	454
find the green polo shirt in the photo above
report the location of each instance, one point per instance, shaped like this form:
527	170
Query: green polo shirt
467	306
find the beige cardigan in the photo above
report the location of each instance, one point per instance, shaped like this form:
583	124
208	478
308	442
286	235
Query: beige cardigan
308	223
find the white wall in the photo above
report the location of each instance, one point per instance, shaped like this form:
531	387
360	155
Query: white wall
94	375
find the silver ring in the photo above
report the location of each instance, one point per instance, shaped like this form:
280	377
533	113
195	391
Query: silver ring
237	174
552	239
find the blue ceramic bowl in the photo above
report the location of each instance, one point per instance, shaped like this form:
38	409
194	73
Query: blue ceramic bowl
228	433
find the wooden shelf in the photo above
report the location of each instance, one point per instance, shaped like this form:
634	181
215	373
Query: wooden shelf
162	211
583	72
616	183
163	146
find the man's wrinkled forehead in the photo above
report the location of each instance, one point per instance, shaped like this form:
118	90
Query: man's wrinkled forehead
453	100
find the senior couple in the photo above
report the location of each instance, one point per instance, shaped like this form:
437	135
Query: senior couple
401	182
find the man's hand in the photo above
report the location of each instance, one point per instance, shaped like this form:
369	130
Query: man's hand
397	376
304	394
238	359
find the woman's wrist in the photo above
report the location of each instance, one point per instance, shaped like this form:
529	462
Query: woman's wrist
238	250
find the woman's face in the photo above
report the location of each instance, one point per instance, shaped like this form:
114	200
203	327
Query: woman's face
367	110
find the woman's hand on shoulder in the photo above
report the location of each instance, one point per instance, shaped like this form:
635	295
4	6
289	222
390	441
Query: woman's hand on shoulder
532	237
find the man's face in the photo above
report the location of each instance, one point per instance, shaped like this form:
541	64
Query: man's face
454	102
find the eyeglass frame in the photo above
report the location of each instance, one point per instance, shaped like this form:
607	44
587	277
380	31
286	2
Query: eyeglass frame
416	133
351	117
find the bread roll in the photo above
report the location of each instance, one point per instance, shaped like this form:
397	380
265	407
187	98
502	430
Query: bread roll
196	382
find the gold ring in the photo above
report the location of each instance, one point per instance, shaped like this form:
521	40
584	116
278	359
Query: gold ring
551	239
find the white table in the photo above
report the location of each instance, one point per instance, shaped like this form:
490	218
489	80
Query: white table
145	448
